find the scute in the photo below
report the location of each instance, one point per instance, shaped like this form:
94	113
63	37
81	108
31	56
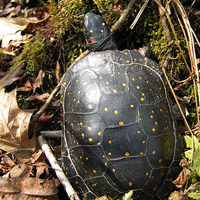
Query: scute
118	128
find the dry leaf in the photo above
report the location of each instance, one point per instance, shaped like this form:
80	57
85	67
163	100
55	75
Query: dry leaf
182	178
38	81
14	124
38	98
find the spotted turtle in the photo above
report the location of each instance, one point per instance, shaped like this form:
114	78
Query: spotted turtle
118	129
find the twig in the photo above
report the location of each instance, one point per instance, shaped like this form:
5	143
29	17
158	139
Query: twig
139	14
52	134
58	170
123	17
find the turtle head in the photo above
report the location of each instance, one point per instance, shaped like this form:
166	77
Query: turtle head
97	33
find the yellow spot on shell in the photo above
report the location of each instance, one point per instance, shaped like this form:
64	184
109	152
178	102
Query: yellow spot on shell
103	156
160	160
107	83
153	152
86	158
105	109
66	173
109	141
109	153
160	109
153	129
127	61
141	153
143	141
147	173
81	123
138	87
124	84
100	77
63	152
151	116
76	182
103	23
112	74
113	170
99	133
78	101
156	123
91	31
133	79
142	99
138	132
121	123
82	134
125	53
130	183
77	80
131	105
140	77
94	171
115	111
86	171
127	154
90	106
79	92
147	81
64	83
90	139
115	91
89	128
101	31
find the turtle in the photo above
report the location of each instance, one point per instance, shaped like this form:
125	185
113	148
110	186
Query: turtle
118	128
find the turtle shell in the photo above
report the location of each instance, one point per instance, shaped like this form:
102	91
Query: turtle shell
118	130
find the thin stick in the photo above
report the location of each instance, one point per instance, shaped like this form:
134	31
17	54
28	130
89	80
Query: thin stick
139	14
58	170
123	17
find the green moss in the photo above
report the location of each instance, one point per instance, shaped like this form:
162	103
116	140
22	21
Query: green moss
37	54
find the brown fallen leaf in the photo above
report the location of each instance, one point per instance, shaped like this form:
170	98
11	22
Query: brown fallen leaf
28	189
14	124
182	178
6	164
38	98
38	81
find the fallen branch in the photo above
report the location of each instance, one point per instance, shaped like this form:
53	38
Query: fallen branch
58	170
123	17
